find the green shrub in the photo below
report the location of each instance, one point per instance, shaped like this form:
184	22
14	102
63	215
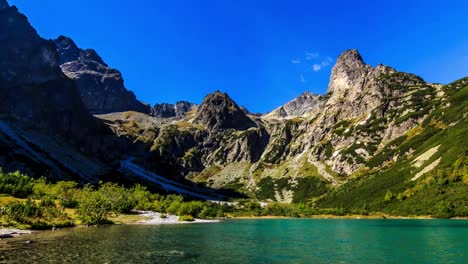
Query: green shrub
186	218
16	184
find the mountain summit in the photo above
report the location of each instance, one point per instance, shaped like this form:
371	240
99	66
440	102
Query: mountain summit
101	88
219	111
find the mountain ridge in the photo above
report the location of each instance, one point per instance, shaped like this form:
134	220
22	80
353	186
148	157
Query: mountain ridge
376	130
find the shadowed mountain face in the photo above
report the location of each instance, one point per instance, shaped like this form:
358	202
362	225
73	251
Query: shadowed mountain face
101	88
219	111
376	130
177	110
3	4
43	122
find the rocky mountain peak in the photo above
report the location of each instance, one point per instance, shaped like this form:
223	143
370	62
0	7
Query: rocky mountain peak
101	87
35	60
348	76
69	51
350	57
219	111
4	4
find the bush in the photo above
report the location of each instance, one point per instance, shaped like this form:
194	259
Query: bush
33	215
16	184
186	218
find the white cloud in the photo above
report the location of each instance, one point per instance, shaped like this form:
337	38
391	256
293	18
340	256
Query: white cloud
295	61
323	64
303	80
311	55
317	67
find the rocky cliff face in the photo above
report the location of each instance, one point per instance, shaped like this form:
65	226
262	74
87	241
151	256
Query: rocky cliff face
177	110
373	121
327	137
219	111
43	122
101	87
305	104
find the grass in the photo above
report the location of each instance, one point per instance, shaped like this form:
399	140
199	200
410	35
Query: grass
441	192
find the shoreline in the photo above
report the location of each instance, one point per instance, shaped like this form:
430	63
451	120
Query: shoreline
155	218
325	216
13	232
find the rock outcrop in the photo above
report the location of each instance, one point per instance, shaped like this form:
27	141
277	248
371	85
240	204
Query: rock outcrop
306	103
370	119
44	125
177	110
101	87
219	111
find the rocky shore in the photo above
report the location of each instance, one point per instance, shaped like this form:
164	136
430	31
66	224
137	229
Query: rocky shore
155	218
11	232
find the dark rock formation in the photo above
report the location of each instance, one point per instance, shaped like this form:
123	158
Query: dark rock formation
101	88
41	111
219	111
178	110
4	4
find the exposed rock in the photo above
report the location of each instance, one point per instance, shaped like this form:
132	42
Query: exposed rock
25	58
41	111
219	111
304	104
178	110
101	88
163	110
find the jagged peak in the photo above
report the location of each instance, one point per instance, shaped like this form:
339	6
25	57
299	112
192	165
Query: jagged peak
219	111
69	51
218	96
350	57
66	41
4	4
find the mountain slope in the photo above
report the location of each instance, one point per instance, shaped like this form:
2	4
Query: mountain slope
101	88
379	140
45	128
304	104
424	171
312	152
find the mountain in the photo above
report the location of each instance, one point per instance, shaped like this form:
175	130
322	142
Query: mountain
379	139
101	87
219	111
45	130
306	103
315	146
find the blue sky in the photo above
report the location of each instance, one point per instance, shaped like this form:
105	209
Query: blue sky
262	53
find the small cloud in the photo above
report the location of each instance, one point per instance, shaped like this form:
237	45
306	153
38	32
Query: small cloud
323	64
311	55
303	80
295	61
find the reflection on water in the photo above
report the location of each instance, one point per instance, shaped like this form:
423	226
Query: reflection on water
250	241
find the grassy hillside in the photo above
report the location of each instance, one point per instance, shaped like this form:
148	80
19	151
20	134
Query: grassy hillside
423	172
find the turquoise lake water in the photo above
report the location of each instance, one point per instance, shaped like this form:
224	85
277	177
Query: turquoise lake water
250	241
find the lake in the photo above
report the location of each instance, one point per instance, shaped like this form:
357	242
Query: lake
250	241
